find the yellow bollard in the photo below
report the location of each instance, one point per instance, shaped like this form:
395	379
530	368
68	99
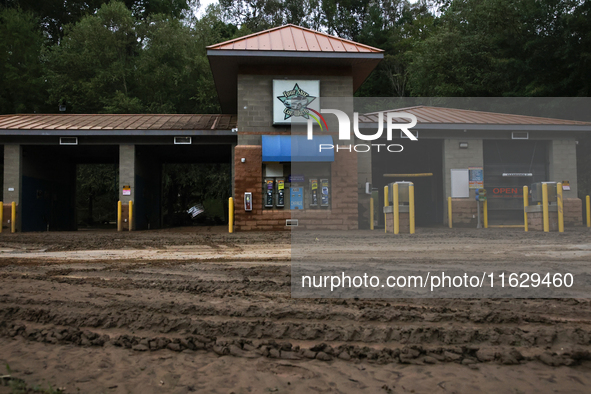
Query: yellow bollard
385	204
545	207
560	204
485	213
370	213
411	207
230	215
13	218
1	215
130	215
525	205
396	209
119	224
449	217
588	211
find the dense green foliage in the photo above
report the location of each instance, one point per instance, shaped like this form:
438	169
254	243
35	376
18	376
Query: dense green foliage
148	56
96	193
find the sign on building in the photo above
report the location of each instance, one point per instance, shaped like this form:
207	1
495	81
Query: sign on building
293	99
476	177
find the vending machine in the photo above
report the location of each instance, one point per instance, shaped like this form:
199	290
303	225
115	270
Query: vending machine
269	192
313	193
296	198
324	192
280	192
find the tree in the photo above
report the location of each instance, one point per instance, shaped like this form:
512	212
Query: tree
116	63
93	66
505	48
55	15
21	70
96	192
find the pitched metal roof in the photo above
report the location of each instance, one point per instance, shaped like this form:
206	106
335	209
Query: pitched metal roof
427	115
291	50
294	38
116	122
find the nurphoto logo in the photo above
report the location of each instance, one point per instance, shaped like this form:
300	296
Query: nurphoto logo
345	130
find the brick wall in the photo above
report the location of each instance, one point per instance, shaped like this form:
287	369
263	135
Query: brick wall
535	221
249	178
125	216
343	214
465	212
7	215
255	104
403	223
573	212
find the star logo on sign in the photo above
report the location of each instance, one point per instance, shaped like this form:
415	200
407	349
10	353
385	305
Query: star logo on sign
296	102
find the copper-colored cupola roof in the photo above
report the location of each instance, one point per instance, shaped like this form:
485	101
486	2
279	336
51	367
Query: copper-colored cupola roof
294	38
287	46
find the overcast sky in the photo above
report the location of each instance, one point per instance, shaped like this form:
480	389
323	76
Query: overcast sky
203	7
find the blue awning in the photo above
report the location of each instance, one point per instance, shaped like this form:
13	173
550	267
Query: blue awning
296	148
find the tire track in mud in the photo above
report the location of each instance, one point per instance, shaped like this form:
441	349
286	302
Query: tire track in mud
244	318
245	309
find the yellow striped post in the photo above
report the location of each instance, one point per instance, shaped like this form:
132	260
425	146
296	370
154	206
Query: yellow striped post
130	215
449	217
230	215
485	212
119	223
385	205
588	211
370	213
13	218
411	207
545	207
559	202
525	205
396	209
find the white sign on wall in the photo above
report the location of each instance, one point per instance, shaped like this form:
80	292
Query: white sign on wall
460	183
293	99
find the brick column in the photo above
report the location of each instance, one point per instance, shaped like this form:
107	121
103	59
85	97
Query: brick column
126	171
563	164
12	180
248	177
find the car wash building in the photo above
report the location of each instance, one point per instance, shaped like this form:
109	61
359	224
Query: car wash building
262	81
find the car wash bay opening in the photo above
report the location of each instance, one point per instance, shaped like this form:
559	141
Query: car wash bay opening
46	168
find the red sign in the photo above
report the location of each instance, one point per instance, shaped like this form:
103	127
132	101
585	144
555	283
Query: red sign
505	192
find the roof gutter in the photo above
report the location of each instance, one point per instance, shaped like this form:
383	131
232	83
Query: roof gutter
151	133
288	54
489	127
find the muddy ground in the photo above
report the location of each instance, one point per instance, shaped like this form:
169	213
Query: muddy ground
201	310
